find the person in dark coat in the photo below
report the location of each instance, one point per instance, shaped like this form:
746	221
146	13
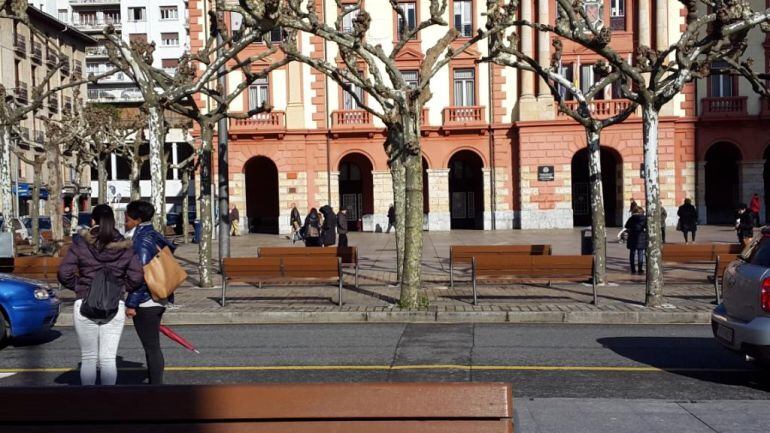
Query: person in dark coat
146	311
744	225
342	227
311	231
329	226
663	217
295	221
92	251
637	239
688	219
755	206
391	218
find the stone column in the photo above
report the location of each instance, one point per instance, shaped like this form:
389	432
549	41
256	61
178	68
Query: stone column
700	192
383	198
295	109
438	200
645	37
487	194
527	78
753	182
238	198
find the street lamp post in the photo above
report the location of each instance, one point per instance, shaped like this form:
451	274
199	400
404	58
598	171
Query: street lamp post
223	168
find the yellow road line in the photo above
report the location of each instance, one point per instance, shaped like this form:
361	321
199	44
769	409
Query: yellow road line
442	367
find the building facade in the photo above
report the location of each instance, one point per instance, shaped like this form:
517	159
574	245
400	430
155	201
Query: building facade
497	153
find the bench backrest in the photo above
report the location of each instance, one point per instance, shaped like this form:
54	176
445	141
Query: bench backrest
535	266
464	253
691	253
349	255
722	264
37	267
291	407
258	268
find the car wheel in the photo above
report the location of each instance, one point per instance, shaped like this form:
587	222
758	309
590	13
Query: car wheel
4	330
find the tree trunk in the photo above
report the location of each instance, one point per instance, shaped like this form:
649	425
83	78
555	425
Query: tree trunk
185	205
75	210
398	174
6	198
598	229
34	206
54	196
654	295
135	176
204	243
157	137
101	170
411	277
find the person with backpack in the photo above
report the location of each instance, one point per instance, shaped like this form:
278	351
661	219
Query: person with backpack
100	267
147	312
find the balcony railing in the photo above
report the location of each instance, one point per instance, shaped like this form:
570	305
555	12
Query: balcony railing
51	59
351	118
37	52
727	106
599	108
99	50
96	25
118	95
53	103
94	2
464	116
20	44
77	68
65	65
274	120
22	94
618	23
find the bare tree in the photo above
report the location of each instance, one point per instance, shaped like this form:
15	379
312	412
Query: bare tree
392	99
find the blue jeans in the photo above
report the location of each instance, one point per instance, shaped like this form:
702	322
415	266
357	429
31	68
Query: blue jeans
639	257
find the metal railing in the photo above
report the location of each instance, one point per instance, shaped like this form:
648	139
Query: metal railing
37	52
20	44
65	65
53	103
21	92
99	50
117	95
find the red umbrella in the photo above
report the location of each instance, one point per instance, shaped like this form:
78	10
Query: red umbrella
165	330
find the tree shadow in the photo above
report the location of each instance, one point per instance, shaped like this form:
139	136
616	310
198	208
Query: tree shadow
129	373
694	357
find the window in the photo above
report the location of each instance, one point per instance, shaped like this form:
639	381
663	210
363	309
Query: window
463	18
137	14
722	84
349	102
170	65
276	35
63	16
464	87
350	12
112	17
594	9
258	93
138	37
618	14
410	13
412	78
566	71
588	79
170	13
169	39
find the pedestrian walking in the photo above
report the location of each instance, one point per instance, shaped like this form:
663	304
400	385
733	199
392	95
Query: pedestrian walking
235	221
744	224
328	226
295	221
100	267
755	206
637	239
688	219
311	231
342	227
663	217
146	311
391	218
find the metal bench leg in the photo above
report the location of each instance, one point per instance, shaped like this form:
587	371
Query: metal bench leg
339	291
716	282
473	277
593	281
451	274
356	275
224	290
259	285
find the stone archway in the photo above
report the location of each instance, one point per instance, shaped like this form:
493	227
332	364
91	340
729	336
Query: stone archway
261	181
356	188
466	190
722	176
612	167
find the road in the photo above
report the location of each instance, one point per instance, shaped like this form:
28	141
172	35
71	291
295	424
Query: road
554	369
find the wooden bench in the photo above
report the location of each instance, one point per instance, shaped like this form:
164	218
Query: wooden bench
42	268
475	407
281	269
722	262
349	255
466	253
539	268
697	253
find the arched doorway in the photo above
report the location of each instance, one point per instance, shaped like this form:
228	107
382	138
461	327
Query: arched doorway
466	191
722	178
356	188
261	195
611	188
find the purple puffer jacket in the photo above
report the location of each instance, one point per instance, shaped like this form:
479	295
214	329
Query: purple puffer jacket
84	260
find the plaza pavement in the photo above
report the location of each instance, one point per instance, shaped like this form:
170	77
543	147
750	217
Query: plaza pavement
689	297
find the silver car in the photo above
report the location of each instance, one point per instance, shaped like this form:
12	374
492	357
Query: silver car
742	321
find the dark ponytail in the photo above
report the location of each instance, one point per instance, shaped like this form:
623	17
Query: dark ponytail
105	221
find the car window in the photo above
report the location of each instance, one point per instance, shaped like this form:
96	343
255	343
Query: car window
758	253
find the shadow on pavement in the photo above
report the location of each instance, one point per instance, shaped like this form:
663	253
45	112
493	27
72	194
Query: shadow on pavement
34	339
697	358
129	373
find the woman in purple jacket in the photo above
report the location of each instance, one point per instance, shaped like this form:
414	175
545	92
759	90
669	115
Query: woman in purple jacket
100	248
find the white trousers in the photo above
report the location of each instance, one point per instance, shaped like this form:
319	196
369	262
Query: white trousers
99	346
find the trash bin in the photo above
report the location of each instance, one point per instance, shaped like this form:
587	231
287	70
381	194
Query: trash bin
586	241
197	231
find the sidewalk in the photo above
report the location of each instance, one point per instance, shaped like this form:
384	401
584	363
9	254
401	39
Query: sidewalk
689	296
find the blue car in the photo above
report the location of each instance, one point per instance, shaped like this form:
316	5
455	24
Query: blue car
26	306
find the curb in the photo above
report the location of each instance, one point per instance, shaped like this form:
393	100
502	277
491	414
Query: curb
566	317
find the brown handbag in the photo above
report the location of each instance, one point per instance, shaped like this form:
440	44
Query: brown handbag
163	274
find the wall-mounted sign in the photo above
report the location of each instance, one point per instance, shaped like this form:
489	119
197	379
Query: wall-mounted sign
545	173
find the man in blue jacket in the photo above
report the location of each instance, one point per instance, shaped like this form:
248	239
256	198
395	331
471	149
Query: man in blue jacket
140	305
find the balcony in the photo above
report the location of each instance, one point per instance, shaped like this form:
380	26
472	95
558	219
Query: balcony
601	109
118	95
37	53
20	44
65	65
22	95
77	69
51	59
464	116
97	51
273	122
94	2
67	108
53	104
96	25
724	107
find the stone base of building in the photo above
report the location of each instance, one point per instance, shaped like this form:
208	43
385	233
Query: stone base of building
504	220
546	219
438	222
